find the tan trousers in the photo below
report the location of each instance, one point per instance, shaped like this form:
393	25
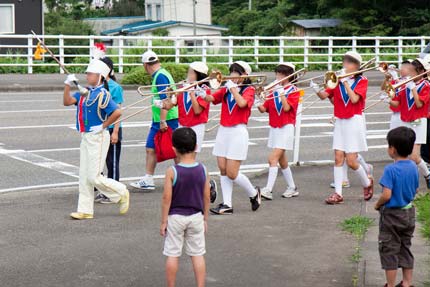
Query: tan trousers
93	152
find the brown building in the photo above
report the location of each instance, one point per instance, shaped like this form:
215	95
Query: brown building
312	27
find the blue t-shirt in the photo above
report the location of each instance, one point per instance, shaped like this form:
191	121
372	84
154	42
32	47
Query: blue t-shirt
117	95
402	179
162	83
86	114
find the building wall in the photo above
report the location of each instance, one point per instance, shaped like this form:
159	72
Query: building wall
179	10
103	24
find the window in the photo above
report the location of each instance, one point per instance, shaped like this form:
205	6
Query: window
158	12
149	12
7	16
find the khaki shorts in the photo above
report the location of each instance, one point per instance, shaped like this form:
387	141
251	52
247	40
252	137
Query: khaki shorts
185	229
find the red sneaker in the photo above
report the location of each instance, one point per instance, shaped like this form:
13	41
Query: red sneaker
334	198
368	191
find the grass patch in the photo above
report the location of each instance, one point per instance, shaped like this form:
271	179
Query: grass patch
357	225
422	204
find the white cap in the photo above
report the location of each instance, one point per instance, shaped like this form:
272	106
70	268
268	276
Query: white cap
149	57
199	67
423	62
354	55
98	67
288	64
245	66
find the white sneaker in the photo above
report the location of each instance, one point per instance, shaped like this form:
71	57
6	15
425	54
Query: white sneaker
290	192
146	183
266	193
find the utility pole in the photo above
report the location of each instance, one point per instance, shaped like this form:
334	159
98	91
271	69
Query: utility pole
194	17
250	5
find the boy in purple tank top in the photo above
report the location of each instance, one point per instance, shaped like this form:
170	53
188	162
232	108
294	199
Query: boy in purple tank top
185	207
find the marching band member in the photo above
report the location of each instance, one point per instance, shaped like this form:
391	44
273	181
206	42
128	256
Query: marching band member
231	143
349	135
413	101
282	108
392	78
96	111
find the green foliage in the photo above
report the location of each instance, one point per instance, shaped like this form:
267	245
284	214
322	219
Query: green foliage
138	76
422	203
357	225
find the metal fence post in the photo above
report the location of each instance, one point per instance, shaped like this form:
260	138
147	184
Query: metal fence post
377	44
121	54
177	51
256	44
61	51
30	54
204	51
330	54
354	43
423	43
281	50
230	50
306	52
91	45
400	50
297	132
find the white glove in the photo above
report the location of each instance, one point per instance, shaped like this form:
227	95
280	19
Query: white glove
71	78
411	85
385	98
315	87
229	84
200	93
97	129
341	72
257	102
158	103
280	90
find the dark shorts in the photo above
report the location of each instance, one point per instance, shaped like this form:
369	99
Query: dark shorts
155	127
396	229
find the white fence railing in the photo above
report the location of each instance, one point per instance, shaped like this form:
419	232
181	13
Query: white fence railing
16	51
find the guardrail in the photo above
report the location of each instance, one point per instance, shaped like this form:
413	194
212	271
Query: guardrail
16	51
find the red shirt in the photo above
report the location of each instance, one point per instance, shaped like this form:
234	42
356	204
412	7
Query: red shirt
277	116
396	109
408	110
231	113
343	106
187	117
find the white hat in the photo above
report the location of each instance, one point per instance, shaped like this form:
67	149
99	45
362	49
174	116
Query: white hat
199	67
354	55
288	64
98	67
149	57
245	66
423	62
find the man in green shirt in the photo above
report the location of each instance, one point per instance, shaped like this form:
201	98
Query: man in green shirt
161	118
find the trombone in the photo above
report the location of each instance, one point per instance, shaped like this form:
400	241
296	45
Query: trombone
391	89
267	90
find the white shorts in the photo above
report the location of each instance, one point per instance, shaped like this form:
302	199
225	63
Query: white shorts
282	138
419	129
232	142
200	133
185	229
395	121
349	135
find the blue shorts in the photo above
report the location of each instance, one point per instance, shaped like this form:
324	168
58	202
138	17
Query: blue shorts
155	127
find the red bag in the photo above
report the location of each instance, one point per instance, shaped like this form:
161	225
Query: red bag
163	145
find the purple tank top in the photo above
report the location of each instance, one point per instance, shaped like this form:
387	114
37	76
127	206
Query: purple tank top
188	189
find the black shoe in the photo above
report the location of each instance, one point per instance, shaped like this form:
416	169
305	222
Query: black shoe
222	209
256	200
214	190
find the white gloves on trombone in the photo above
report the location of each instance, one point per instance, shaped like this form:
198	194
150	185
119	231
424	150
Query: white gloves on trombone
279	90
230	84
385	98
71	78
158	103
315	87
200	92
97	129
411	85
392	72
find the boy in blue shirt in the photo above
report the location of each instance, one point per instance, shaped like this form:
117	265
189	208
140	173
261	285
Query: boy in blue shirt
397	214
185	208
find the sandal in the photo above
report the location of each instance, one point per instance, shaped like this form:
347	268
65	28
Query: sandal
368	191
334	198
401	284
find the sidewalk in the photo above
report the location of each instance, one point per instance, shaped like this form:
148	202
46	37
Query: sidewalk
54	82
288	242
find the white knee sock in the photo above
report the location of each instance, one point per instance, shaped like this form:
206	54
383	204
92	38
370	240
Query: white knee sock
289	177
273	173
338	176
244	182
362	162
362	175
345	171
422	167
227	189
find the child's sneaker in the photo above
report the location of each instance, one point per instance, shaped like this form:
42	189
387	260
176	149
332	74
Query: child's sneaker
146	183
222	209
368	191
256	200
213	190
81	216
101	198
290	192
334	199
266	193
345	184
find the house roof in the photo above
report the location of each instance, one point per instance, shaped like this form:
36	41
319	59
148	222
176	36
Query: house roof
150	25
317	23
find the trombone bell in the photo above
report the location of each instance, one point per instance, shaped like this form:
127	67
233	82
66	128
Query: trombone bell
331	80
